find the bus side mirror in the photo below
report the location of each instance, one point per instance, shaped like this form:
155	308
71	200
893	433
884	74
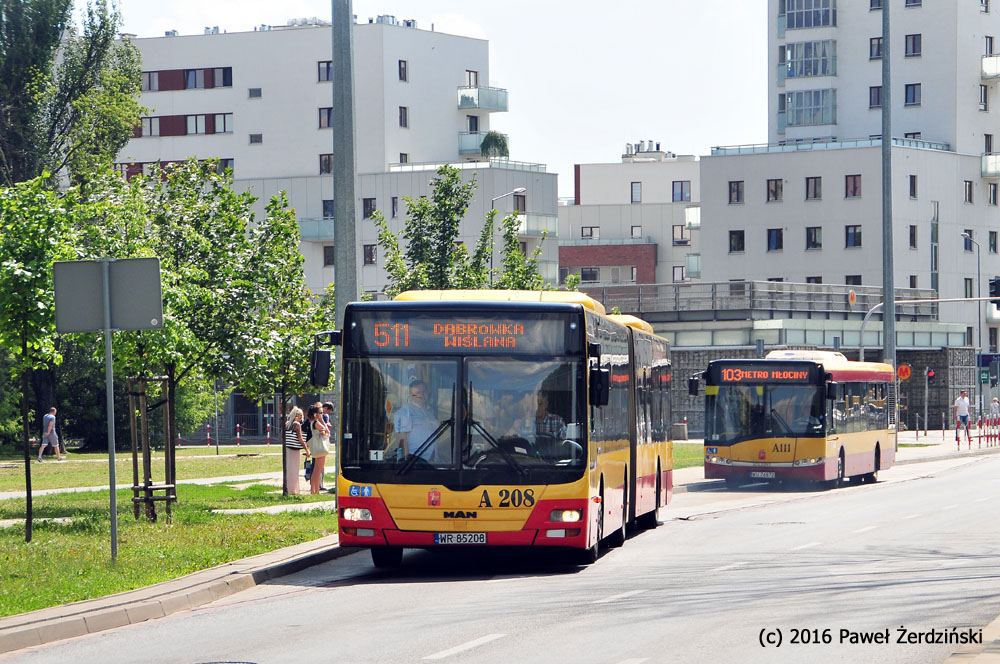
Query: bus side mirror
600	386
693	386
328	338
319	368
831	391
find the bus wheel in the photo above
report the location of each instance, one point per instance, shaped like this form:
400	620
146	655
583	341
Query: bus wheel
387	557
617	538
651	520
872	477
840	470
589	555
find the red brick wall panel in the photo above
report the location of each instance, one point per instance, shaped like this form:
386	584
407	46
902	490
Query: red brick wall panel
643	256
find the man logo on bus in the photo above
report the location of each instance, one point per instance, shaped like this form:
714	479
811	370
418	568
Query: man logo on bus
761	455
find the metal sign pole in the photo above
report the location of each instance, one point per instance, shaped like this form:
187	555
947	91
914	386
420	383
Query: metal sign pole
109	372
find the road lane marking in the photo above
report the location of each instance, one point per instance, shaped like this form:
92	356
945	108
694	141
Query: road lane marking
981	500
949	507
864	530
806	546
638	660
725	567
913	516
465	646
630	593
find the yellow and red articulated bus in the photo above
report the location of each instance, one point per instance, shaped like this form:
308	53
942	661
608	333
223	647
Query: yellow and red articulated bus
499	418
808	415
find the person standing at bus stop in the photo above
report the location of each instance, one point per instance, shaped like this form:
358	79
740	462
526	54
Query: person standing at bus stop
295	444
962	417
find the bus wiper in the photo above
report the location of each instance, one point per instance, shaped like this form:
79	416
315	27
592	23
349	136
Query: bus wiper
518	468
780	420
418	453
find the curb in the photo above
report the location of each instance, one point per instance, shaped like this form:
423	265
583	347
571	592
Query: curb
156	601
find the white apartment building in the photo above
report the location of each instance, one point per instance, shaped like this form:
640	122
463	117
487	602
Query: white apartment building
806	207
261	101
632	222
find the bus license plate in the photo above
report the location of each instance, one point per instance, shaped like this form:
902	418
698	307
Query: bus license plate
460	538
762	474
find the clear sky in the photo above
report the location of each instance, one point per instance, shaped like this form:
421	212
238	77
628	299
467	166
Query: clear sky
585	77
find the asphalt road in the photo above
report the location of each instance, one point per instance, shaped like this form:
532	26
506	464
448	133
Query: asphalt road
917	550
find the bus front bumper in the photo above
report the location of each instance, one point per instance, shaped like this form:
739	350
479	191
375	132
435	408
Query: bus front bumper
822	469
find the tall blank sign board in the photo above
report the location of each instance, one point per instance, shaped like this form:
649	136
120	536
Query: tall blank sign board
134	284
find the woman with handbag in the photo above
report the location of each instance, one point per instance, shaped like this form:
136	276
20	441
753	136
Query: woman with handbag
294	444
319	445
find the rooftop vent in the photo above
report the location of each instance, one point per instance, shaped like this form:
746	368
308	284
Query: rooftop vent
170	33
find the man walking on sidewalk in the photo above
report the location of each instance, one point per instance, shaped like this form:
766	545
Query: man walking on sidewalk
962	418
49	435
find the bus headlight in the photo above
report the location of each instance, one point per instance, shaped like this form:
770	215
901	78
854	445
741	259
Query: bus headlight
356	514
566	516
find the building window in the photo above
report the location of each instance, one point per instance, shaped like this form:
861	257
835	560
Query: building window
810	107
151	126
368	208
809	13
325	164
222	77
915	135
682	191
989	45
735	191
814	280
328	209
852	186
680	235
255	93
736	244
328	255
678	273
150	81
224	123
992	242
225	164
993	339
875	96
404	116
988	143
967	238
194	78
473	123
852	236
520	203
992	193
195	124
814	188
968	286
814	237
403	73
984	6
875	4
404	158
590	232
325	69
256	139
636	192
984	98
371	253
853	280
912	94
968	191
913	281
472	79
913	186
774	190
913	45
811	58
326	117
775	239
875	48
590	274
913	236
914	3
636	232
395	206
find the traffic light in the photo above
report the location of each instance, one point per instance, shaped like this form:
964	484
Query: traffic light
930	375
995	291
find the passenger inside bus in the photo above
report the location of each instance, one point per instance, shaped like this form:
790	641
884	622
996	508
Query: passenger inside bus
415	424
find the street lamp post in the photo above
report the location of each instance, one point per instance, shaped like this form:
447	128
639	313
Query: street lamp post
518	190
979	328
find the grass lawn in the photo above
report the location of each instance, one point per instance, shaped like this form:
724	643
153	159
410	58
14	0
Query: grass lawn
91	469
71	562
688	454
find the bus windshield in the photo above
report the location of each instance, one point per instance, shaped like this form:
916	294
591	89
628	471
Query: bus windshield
743	412
457	419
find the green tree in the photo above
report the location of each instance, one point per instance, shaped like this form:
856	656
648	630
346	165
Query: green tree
65	103
35	227
517	271
494	144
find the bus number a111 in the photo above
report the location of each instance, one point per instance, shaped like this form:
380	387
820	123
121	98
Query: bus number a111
395	334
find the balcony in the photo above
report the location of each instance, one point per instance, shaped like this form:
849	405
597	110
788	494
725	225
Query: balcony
826	144
583	242
536	225
782	25
484	99
810	68
316	230
991	67
991	165
469	141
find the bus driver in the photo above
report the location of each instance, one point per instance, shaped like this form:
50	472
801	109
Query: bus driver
414	423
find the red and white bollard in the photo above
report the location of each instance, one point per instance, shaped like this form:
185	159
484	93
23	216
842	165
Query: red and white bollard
208	435
237	435
979	431
268	433
178	439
